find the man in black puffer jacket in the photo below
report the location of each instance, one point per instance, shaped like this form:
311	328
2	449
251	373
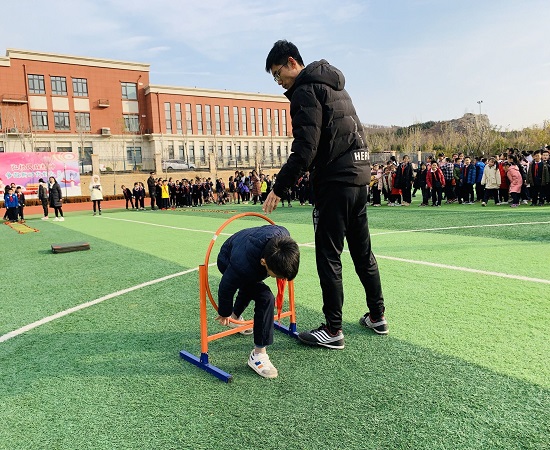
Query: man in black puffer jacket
329	143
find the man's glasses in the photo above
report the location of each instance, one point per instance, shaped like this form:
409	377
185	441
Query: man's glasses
277	73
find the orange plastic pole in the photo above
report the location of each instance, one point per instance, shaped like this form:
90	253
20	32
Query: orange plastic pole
291	304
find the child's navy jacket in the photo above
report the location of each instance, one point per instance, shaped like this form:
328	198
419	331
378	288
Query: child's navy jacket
239	262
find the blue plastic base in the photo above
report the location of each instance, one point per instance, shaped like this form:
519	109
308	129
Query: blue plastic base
290	330
202	362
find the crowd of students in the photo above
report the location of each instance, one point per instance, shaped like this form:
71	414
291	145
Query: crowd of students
511	177
190	193
49	194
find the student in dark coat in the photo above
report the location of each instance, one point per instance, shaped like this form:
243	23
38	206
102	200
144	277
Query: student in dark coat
246	259
43	196
56	199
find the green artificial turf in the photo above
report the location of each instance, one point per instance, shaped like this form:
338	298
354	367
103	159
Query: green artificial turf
464	366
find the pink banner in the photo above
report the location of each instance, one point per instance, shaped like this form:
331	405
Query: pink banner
25	169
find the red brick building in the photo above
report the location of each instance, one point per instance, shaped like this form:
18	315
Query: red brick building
109	109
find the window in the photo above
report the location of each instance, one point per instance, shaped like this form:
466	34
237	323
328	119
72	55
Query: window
86	155
218	120
133	155
283	118
220	153
129	91
276	121
64	149
199	118
80	87
42	148
179	122
181	152
36	84
82	121
208	115
131	123
243	117
268	118
61	121
188	118
246	155
170	152
168	118
253	121
191	151
59	85
39	120
236	120
202	154
238	152
226	120
260	122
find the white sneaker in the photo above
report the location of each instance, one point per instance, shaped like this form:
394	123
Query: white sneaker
62	219
246	332
261	364
45	218
56	219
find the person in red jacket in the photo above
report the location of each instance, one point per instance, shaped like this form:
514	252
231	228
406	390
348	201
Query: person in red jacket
435	181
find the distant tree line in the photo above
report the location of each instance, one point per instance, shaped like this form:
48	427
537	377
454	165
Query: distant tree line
472	134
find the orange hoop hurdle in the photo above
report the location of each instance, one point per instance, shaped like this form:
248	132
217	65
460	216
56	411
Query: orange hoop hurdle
204	292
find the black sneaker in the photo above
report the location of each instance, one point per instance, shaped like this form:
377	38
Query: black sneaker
323	337
379	327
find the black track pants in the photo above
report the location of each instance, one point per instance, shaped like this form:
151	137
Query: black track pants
341	211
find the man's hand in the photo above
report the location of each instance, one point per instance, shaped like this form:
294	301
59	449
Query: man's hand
271	202
223	320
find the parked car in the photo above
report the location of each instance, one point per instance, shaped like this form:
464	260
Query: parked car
176	164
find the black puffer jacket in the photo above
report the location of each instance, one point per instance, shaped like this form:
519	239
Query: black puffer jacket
328	136
239	262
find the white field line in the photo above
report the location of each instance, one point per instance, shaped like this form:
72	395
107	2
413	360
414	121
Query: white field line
58	315
460	227
164	226
456	268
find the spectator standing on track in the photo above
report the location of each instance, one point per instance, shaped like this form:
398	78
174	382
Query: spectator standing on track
43	196
21	201
152	186
329	141
139	195
404	178
435	182
516	181
96	193
491	181
128	196
56	199
12	204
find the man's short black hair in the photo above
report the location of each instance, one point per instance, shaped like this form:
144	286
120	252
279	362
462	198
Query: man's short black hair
280	53
282	256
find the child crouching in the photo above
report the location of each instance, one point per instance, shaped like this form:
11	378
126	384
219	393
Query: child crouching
245	260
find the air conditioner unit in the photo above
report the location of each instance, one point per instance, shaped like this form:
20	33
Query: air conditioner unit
105	131
13	130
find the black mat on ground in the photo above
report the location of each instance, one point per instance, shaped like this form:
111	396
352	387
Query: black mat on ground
70	247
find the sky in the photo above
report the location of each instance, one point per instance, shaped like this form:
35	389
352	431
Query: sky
404	62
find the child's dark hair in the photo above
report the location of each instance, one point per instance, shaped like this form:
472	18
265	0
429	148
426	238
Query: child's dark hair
282	256
280	53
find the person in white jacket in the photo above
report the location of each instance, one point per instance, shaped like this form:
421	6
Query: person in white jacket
491	180
96	193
